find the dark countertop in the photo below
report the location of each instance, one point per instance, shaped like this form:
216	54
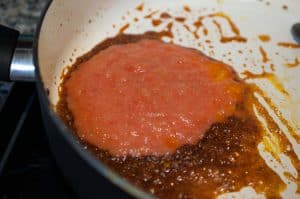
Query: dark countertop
22	15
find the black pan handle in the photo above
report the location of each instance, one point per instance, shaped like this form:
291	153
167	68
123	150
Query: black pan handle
16	60
8	43
296	32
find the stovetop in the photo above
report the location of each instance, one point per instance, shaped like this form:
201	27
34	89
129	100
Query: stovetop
27	167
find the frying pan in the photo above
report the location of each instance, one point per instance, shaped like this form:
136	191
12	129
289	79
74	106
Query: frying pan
70	28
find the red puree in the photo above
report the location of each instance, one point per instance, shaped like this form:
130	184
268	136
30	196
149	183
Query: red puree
149	97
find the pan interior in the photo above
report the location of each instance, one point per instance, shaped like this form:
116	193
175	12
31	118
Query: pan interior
72	27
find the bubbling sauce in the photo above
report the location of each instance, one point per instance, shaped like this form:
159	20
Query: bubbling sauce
224	160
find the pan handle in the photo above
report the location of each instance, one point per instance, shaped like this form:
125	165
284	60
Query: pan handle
16	60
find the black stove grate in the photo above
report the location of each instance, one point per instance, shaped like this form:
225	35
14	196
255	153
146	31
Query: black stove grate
27	168
5	88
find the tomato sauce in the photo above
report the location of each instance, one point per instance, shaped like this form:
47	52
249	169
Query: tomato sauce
149	97
216	151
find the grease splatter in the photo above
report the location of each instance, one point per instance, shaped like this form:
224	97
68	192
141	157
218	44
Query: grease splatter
140	7
180	19
293	64
288	45
165	15
151	14
263	54
123	28
272	78
156	22
225	39
264	38
186	8
284	7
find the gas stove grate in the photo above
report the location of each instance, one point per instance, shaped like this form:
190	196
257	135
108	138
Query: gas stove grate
27	168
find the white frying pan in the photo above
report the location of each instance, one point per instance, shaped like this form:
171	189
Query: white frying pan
71	28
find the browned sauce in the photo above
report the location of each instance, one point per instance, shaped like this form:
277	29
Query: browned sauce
263	54
288	45
187	27
278	143
230	39
168	31
199	24
234	28
282	142
123	28
165	15
225	160
268	76
225	39
140	7
272	67
156	22
195	34
187	8
205	31
180	19
264	38
294	64
151	14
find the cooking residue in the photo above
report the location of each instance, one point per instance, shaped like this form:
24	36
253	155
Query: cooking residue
284	7
165	15
140	7
268	76
151	14
293	64
168	32
272	67
264	38
263	54
288	45
156	22
187	8
225	39
199	24
180	19
227	158
123	28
